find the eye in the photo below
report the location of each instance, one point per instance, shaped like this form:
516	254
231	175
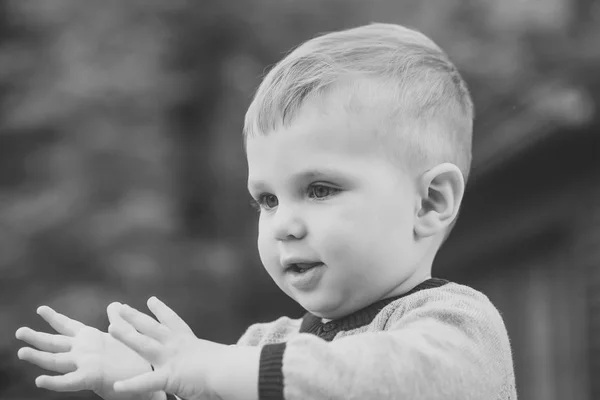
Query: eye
268	201
321	191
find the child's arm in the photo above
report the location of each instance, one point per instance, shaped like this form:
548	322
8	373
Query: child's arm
189	367
454	347
84	357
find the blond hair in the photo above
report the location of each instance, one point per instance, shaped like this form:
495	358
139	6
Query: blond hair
427	101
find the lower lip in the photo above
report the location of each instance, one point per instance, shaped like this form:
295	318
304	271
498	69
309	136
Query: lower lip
306	280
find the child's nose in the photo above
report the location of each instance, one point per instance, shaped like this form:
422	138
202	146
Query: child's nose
288	225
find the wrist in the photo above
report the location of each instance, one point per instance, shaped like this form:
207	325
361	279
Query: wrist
236	375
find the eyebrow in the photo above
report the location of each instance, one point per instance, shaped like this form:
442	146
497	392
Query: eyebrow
316	173
302	175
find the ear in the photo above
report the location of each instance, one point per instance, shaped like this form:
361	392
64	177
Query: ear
441	191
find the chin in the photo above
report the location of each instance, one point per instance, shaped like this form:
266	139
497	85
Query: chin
324	309
316	306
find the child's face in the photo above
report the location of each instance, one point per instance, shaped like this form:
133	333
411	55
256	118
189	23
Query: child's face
333	203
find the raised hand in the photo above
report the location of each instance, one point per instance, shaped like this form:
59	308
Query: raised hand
84	357
183	364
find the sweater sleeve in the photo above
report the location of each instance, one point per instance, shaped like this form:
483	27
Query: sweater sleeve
277	331
454	347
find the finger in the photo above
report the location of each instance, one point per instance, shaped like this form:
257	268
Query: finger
72	382
44	341
146	347
145	324
61	323
60	362
113	312
145	383
167	316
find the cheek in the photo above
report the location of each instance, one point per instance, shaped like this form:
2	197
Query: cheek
339	231
266	248
262	244
364	228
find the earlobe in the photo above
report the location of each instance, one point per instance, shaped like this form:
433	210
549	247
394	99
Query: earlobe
441	189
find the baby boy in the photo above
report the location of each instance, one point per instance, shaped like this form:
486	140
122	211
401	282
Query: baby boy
359	146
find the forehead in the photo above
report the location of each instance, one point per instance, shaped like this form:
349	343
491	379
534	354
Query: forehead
322	143
321	125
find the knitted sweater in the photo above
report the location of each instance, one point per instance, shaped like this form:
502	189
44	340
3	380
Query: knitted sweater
441	340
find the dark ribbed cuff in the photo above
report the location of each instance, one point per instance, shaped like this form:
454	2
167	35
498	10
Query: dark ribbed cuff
270	374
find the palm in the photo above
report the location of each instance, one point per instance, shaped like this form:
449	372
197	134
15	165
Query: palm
105	360
85	358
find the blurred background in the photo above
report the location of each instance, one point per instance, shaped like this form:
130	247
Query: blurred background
122	173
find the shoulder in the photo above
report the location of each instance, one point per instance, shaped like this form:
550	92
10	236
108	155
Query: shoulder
270	332
451	303
456	314
449	294
453	293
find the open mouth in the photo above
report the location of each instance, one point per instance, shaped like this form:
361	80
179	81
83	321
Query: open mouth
300	268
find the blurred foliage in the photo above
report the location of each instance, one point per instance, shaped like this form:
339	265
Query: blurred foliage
122	173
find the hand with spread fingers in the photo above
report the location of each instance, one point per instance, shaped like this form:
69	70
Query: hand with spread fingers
84	357
183	364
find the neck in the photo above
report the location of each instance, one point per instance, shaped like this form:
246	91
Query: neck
421	273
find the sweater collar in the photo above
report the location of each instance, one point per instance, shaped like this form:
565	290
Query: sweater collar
313	324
